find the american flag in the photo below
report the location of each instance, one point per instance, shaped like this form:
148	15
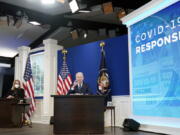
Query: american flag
28	85
64	80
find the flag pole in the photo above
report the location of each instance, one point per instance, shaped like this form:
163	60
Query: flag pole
102	44
64	52
103	78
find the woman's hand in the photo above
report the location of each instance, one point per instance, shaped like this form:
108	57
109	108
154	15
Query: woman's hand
10	97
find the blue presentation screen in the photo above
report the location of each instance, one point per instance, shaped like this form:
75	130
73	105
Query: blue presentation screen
155	60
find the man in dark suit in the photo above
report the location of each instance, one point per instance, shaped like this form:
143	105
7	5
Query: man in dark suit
79	86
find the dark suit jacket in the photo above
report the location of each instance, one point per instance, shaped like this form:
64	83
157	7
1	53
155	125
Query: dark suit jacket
83	90
18	93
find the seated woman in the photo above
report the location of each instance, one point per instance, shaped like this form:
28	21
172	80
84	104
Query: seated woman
16	91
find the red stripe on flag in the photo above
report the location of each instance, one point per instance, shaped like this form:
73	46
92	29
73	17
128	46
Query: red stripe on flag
63	87
31	91
64	80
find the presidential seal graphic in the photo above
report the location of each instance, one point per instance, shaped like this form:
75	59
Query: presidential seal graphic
103	82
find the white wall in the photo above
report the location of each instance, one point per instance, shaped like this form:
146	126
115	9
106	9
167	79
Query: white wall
44	107
50	77
122	110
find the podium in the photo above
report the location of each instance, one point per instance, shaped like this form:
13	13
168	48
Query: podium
78	114
10	113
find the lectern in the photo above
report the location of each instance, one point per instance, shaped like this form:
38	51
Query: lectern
78	114
10	113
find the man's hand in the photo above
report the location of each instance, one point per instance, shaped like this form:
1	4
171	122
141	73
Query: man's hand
74	84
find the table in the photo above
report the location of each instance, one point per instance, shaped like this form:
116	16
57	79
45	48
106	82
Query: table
10	113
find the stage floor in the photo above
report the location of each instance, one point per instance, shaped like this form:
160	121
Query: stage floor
42	129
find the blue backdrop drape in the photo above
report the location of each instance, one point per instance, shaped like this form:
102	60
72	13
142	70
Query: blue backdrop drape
86	59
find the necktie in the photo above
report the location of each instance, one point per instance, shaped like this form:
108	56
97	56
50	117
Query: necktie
79	86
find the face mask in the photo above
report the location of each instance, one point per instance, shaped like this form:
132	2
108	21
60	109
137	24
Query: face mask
16	85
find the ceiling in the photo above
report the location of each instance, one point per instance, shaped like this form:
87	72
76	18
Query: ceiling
57	21
12	37
36	5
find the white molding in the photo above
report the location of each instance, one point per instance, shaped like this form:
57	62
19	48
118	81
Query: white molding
38	122
17	68
148	9
130	68
46	119
50	74
20	62
50	42
160	129
37	49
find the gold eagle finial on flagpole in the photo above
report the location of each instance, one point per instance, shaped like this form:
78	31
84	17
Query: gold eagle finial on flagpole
102	44
64	52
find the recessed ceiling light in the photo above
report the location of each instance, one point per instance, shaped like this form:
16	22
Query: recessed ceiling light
34	23
84	11
85	35
48	1
74	6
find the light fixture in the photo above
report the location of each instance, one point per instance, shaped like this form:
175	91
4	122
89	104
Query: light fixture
85	34
84	11
48	1
34	23
5	65
61	1
74	6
